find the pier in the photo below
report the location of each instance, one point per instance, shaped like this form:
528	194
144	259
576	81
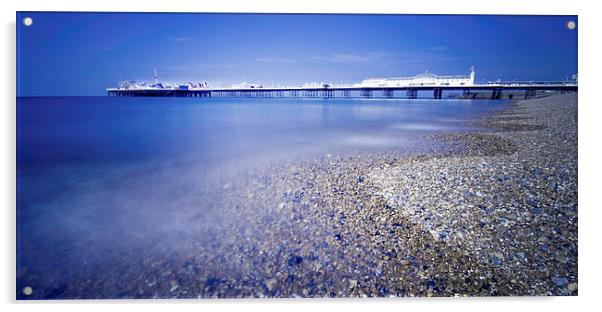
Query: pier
501	90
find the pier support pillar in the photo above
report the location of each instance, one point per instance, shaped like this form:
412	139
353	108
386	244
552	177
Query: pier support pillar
469	95
327	93
411	93
437	93
496	93
530	93
367	93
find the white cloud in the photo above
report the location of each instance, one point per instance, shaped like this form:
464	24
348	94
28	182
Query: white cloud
216	65
332	58
275	60
181	39
175	68
97	48
341	58
438	49
352	57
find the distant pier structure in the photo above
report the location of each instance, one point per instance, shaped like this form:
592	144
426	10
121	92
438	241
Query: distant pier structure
394	87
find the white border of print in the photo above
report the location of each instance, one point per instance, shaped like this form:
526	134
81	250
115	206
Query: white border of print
589	127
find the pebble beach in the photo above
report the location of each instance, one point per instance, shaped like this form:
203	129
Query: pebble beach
491	213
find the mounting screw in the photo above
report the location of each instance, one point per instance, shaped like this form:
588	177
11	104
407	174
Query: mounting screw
27	21
571	25
27	291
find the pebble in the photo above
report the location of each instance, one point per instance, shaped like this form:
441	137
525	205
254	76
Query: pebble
174	287
295	260
270	284
572	287
560	281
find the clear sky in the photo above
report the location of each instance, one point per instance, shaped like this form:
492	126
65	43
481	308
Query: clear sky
84	53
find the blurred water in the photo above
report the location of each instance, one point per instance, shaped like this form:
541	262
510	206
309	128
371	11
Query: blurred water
100	177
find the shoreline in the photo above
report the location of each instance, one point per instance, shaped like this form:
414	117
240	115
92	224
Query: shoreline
493	214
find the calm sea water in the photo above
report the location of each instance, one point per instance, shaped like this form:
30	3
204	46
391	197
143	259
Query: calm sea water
98	176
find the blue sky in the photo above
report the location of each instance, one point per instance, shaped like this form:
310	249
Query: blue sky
84	53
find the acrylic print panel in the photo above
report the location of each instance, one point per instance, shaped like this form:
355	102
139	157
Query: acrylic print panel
291	155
